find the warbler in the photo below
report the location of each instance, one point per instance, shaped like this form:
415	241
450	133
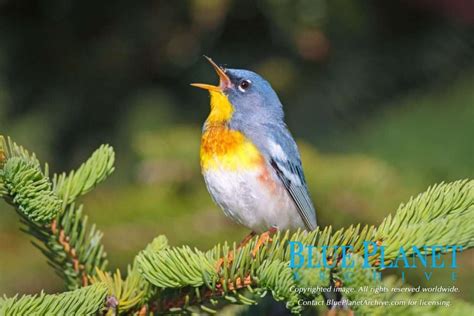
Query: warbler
250	162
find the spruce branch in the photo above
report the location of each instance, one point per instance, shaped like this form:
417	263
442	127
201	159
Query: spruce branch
277	277
197	282
72	248
78	182
30	190
132	293
86	301
164	279
127	294
184	269
443	215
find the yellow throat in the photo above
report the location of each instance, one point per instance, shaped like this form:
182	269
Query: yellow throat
222	147
221	109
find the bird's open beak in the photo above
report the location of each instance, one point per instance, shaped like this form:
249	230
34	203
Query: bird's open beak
224	80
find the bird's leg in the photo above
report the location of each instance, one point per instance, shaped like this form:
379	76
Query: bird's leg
246	239
263	239
230	254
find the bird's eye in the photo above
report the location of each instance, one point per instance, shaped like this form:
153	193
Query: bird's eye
244	85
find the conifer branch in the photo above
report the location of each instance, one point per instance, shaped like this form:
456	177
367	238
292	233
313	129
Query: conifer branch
30	191
133	292
165	279
183	267
86	301
78	182
72	249
443	215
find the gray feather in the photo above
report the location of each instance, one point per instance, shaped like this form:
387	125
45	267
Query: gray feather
286	166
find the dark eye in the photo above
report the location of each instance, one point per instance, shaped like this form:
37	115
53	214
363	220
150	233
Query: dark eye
244	85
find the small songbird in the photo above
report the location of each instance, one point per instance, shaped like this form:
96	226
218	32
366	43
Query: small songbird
250	162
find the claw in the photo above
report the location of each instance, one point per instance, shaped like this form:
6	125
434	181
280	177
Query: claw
220	261
230	254
264	238
219	264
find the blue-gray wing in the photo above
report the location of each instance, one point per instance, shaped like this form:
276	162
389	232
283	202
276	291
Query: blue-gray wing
283	155
292	178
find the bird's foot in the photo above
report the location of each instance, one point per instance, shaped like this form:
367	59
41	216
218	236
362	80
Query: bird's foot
230	254
246	240
264	238
220	261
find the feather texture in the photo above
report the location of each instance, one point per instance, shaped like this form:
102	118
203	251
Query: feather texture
287	172
281	152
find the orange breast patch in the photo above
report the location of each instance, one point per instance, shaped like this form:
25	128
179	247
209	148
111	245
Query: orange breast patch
228	149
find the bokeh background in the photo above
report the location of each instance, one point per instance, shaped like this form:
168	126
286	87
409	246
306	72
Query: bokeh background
379	94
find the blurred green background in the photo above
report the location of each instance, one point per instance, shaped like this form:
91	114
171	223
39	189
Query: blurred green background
379	95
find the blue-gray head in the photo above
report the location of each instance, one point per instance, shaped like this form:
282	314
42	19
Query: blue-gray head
250	97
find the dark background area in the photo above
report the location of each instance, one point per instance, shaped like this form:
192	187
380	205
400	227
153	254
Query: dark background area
379	95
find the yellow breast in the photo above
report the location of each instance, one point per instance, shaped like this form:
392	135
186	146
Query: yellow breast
222	147
228	149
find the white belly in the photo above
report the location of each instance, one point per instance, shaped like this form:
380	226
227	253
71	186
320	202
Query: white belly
248	200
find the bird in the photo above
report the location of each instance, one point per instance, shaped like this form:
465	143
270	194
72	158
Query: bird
249	160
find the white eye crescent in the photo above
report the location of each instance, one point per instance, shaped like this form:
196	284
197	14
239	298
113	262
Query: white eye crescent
244	85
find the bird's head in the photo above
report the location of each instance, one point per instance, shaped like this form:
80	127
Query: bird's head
241	95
